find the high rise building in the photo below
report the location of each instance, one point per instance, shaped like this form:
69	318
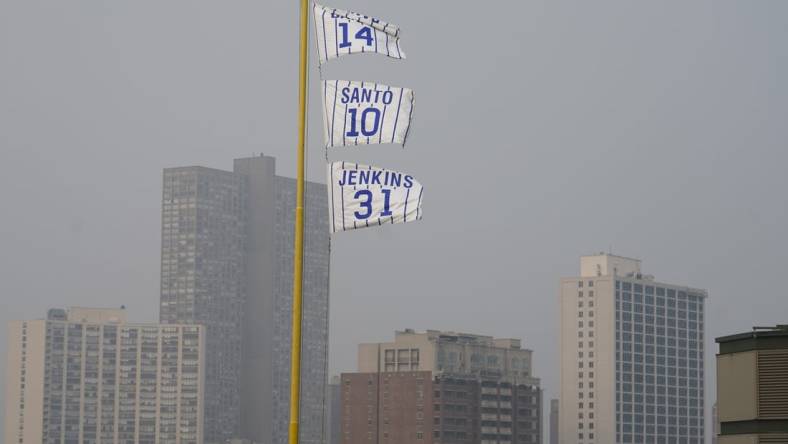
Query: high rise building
226	263
631	356
554	421
442	387
752	386
88	376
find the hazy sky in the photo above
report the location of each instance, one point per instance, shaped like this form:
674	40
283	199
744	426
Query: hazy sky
542	131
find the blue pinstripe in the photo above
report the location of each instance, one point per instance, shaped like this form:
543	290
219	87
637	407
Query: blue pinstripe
336	33
410	118
333	209
396	119
343	202
418	205
325	40
405	212
383	119
334	110
344	124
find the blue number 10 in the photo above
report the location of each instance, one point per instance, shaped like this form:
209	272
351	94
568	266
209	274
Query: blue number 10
364	130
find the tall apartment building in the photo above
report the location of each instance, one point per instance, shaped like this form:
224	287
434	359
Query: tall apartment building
631	356
752	387
442	387
88	376
226	263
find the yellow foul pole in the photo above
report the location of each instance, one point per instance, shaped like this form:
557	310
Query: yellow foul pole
298	256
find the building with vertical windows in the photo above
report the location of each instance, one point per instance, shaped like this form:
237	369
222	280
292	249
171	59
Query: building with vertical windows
442	387
632	365
87	376
752	387
226	263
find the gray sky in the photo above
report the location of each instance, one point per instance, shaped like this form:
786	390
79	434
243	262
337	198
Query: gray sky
542	131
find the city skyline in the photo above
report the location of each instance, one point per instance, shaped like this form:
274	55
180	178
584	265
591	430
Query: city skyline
651	130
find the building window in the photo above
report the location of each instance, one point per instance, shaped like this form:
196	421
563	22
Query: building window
580	284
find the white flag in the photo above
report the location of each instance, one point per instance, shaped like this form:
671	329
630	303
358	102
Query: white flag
344	32
361	196
363	113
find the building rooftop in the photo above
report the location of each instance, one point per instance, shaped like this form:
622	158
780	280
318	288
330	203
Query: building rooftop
464	338
760	338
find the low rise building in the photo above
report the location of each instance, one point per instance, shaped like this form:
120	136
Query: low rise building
442	387
752	386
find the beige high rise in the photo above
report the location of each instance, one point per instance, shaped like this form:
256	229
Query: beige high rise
632	367
87	376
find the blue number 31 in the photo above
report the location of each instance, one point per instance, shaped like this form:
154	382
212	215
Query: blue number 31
366	203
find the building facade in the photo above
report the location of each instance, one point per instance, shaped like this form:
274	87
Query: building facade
632	365
442	387
752	387
87	376
226	263
420	407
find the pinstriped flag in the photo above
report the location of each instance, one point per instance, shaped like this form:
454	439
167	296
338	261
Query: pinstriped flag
344	32
364	113
361	196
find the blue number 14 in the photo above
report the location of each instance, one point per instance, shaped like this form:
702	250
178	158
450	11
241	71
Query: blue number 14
365	33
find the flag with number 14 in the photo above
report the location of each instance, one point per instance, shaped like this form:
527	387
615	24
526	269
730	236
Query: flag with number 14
344	32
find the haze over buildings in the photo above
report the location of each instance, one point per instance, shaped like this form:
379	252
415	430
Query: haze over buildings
657	127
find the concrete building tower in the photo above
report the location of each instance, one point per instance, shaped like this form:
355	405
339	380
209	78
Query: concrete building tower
227	259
